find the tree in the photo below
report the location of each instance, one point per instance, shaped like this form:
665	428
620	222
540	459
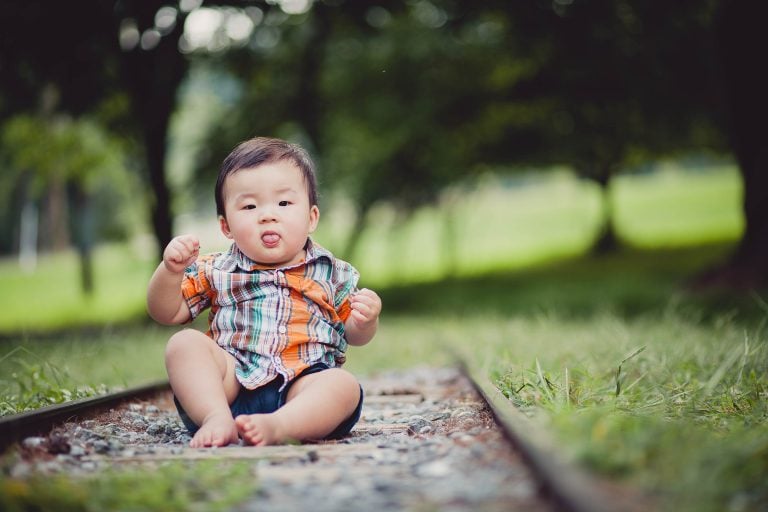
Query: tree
118	62
78	157
625	82
152	69
399	99
390	113
740	31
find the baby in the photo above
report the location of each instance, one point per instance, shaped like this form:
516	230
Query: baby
282	311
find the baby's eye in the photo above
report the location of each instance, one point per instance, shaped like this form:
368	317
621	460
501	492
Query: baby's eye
249	206
284	203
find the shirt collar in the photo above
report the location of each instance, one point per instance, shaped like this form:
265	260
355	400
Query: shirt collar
234	258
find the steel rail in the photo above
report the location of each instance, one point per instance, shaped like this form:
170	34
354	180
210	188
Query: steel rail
16	427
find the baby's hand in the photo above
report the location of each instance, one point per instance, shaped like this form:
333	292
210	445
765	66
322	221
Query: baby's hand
180	253
366	306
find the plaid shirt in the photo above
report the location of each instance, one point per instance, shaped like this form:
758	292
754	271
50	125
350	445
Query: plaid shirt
273	321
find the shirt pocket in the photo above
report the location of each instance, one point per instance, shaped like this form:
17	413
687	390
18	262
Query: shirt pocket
244	288
319	298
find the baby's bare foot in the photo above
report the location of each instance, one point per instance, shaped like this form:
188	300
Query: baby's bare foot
259	429
217	430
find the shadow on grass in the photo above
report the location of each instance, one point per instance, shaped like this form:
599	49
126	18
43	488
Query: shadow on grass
629	283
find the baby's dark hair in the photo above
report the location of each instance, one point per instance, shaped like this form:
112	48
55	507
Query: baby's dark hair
262	150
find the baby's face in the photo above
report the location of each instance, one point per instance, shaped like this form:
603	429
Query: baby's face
268	214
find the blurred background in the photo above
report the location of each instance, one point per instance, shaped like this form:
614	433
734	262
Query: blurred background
571	194
454	139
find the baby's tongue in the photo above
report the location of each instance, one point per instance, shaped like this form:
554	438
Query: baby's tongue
270	238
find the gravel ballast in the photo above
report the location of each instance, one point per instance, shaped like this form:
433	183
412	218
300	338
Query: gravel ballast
426	441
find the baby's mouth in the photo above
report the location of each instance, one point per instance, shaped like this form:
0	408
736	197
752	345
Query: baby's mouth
270	239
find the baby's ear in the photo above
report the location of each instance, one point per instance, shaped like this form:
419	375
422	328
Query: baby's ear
224	226
314	218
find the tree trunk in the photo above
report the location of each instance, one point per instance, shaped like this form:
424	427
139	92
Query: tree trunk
162	219
84	234
450	238
56	236
606	242
354	237
742	40
28	227
309	106
153	76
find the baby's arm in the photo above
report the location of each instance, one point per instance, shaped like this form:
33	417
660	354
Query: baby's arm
164	300
363	321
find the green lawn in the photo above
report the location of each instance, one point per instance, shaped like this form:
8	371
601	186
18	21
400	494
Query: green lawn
50	299
508	224
636	378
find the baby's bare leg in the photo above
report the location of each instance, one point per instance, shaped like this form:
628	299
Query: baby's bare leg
202	377
316	404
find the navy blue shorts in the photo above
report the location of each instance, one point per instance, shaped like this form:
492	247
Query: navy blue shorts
269	398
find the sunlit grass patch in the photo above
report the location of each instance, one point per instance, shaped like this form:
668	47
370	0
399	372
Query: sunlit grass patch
514	222
673	208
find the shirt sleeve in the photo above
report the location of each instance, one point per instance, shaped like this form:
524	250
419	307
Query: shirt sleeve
346	278
196	287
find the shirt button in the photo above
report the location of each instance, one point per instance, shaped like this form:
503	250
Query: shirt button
286	292
281	329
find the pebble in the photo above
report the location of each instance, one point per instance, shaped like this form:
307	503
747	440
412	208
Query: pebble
33	442
77	451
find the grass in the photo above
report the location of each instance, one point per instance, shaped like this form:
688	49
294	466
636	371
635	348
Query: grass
669	402
175	486
35	372
671	398
673	209
637	378
504	224
50	299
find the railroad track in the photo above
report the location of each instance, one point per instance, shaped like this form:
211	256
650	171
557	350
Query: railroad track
32	423
442	437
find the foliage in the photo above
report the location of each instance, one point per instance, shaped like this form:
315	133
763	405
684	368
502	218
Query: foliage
82	60
399	100
198	486
624	80
40	153
74	150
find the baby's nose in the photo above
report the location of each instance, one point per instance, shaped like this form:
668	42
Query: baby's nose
267	214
